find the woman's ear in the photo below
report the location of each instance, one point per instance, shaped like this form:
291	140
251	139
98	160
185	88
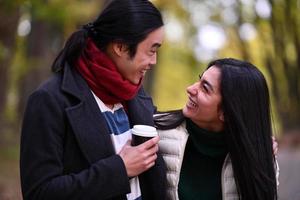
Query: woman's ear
221	116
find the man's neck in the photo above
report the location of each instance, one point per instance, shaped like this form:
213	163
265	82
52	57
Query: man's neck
110	106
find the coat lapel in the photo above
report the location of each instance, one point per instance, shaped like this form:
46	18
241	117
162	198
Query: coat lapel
86	119
140	109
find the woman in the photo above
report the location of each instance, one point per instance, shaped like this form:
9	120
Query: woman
219	146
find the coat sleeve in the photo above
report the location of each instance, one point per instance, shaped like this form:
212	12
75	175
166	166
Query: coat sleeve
42	154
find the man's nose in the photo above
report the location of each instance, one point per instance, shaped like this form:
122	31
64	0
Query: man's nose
153	60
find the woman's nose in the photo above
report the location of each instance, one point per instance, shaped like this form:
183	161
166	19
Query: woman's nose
192	89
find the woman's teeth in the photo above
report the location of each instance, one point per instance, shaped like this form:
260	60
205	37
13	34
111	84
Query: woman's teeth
192	104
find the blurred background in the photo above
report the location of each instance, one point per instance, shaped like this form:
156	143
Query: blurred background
264	32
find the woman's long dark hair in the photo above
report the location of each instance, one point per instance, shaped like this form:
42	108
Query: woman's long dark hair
125	21
247	125
168	119
246	108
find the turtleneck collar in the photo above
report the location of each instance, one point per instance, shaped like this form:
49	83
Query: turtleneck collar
209	143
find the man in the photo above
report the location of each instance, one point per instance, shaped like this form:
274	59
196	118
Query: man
75	140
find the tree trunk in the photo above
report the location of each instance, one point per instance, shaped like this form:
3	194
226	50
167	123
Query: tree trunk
8	26
40	56
284	70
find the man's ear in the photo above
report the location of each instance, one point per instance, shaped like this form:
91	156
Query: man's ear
119	48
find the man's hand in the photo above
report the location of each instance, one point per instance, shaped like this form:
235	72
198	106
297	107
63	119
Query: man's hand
139	158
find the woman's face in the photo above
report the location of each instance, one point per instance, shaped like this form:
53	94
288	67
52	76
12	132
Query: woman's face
204	101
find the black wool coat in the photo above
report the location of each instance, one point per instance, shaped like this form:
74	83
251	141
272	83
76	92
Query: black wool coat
66	149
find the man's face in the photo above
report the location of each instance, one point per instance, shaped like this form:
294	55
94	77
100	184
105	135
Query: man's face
134	69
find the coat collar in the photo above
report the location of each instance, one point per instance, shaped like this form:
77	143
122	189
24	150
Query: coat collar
69	84
140	109
86	119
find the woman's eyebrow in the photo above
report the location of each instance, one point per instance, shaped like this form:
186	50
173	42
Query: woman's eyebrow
208	84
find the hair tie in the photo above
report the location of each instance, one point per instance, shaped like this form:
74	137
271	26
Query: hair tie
90	28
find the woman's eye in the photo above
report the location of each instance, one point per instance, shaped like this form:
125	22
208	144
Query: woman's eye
205	87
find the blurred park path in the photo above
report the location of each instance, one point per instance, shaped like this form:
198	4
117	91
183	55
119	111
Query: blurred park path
289	179
9	180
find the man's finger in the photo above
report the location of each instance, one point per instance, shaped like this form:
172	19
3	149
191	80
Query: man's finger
148	144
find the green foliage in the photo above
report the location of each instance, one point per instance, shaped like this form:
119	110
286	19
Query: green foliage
17	70
63	12
176	70
9	153
276	48
2	51
54	11
8	5
177	67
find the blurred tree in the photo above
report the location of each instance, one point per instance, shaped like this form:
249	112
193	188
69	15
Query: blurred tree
51	23
274	45
9	15
278	51
32	33
177	66
283	60
43	40
168	8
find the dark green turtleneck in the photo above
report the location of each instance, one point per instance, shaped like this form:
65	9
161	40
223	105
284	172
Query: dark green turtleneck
200	176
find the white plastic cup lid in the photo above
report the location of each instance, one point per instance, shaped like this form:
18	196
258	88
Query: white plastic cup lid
144	131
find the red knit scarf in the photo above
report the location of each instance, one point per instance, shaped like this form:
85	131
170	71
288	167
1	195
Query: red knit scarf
102	76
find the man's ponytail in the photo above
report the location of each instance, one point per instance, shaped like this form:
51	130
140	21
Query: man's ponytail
72	50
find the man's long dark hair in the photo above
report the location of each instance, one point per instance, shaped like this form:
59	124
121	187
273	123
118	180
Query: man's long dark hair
247	125
125	21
